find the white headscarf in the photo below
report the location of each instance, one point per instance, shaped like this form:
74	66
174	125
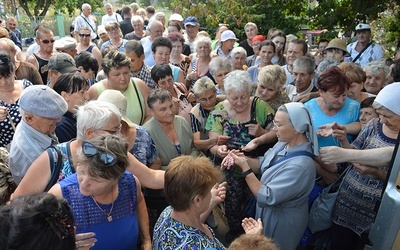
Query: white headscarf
302	122
387	97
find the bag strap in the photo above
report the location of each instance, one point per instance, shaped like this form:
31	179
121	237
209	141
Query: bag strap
362	51
55	166
140	102
294	154
253	114
88	23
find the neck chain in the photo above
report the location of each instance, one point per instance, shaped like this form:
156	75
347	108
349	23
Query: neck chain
109	217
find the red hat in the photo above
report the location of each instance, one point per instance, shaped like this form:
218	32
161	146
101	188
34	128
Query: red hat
258	38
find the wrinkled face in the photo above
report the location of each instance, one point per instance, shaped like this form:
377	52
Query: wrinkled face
192	31
203	49
42	124
354	90
266	54
374	82
366	115
162	54
91	185
137	25
364	36
208	100
86	11
336	54
220	75
164	112
256	47
332	100
166	83
46	42
267	92
285	131
177	48
238	60
136	62
251	32
294	51
119	79
302	79
279	42
389	119
239	100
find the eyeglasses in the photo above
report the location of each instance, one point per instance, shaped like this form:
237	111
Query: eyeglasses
48	41
84	35
89	150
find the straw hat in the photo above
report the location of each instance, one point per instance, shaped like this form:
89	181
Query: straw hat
338	44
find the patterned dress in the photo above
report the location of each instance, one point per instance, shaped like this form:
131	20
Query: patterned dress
359	193
6	126
171	234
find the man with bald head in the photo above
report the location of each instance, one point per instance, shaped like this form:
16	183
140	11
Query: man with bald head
156	29
23	70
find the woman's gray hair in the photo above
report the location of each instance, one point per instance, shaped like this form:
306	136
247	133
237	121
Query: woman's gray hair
238	81
326	64
94	115
239	50
202	39
218	63
158	95
375	66
203	85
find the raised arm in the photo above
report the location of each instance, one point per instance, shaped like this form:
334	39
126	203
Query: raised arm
148	177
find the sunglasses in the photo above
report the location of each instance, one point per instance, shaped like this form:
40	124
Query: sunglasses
84	35
48	41
89	150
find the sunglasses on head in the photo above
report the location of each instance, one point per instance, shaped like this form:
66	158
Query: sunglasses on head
84	35
89	150
48	41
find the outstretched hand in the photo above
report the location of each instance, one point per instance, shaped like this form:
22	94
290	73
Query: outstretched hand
218	193
252	226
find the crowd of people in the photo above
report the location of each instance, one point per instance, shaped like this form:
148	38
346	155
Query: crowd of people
139	125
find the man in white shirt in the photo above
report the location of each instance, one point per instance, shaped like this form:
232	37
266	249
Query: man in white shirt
84	19
110	15
156	30
369	50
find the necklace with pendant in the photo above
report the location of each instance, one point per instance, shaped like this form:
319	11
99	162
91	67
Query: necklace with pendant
109	217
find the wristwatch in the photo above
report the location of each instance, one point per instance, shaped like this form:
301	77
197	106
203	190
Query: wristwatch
247	172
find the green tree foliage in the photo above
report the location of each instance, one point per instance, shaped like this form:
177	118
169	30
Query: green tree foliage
288	15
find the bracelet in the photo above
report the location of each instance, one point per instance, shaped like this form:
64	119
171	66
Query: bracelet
247	172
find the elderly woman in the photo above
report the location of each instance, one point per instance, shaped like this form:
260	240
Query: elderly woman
138	29
287	176
271	79
357	78
267	51
255	44
39	221
251	31
73	88
86	44
172	136
242	118
115	34
10	92
206	96
116	67
219	68
162	76
278	37
104	197
189	184
200	61
176	57
93	119
238	59
377	73
361	189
